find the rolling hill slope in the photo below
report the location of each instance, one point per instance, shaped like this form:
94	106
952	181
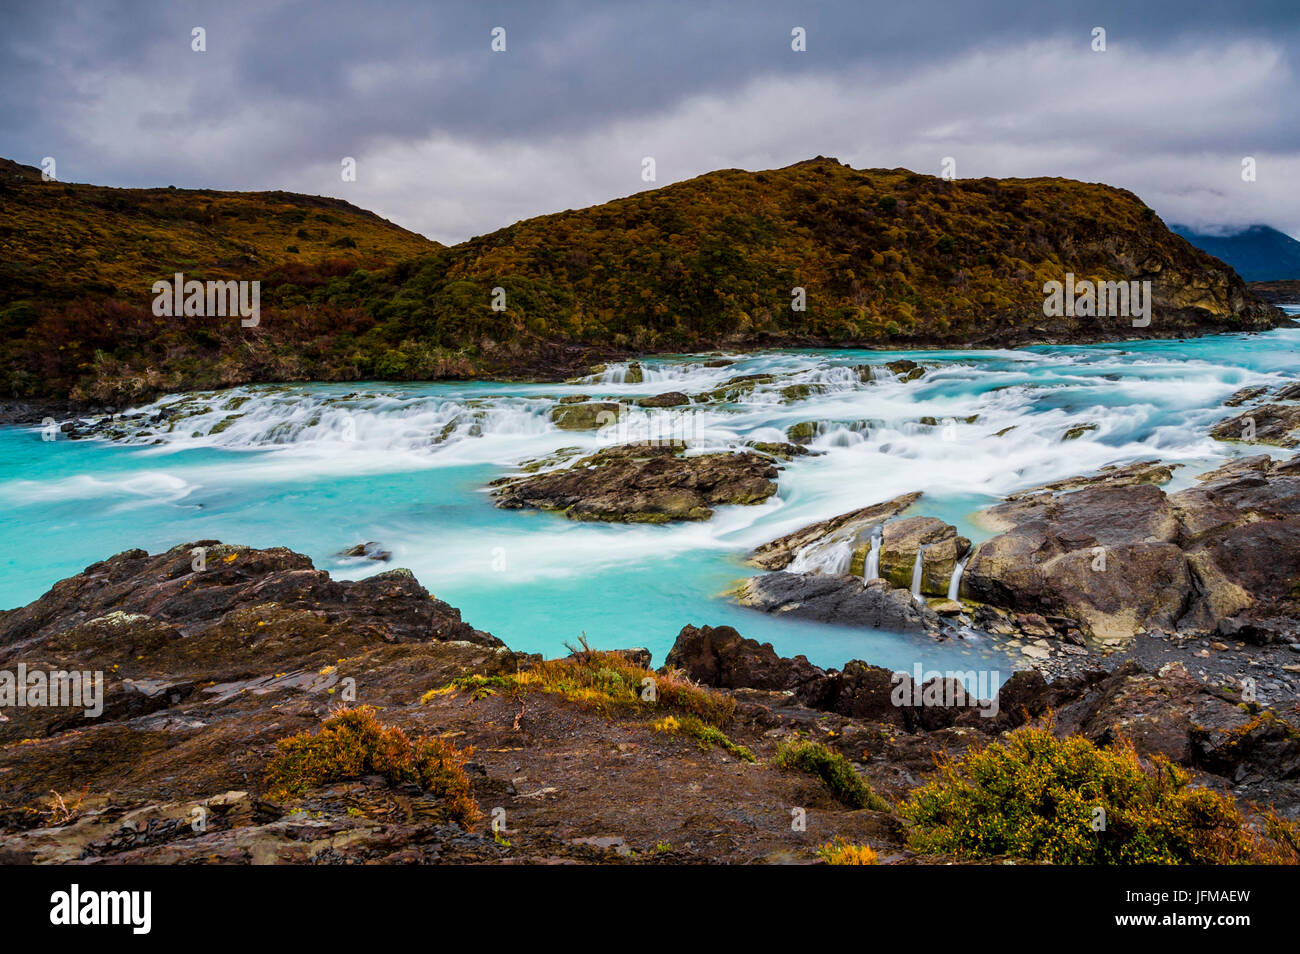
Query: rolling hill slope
884	258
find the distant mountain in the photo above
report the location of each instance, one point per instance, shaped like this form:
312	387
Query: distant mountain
1258	254
815	254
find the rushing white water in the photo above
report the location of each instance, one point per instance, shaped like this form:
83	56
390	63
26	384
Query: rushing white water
831	556
917	569
319	468
871	569
954	585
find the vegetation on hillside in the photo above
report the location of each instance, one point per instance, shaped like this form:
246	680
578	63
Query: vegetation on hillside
883	258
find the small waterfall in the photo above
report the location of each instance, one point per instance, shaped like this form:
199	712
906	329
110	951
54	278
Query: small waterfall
871	568
916	574
823	557
954	585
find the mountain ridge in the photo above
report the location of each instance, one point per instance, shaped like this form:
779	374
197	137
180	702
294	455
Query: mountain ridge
1258	253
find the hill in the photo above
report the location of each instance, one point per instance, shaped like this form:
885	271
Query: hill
1258	254
885	258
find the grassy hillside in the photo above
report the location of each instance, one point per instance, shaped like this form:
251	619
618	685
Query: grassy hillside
886	258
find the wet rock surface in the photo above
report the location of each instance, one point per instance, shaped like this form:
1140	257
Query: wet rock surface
777	554
1275	424
1095	560
585	415
845	600
938	544
643	483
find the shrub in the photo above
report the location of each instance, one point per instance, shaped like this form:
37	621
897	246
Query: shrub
608	682
833	769
353	743
1035	796
840	852
706	735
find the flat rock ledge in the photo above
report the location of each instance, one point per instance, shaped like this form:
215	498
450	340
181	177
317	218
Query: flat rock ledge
642	483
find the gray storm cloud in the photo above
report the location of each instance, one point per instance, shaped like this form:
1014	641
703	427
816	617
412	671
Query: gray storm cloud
452	139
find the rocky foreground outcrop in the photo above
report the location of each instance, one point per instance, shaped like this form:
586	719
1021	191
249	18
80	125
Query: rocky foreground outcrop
1229	743
213	655
647	482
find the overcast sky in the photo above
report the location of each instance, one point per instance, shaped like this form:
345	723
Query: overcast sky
452	139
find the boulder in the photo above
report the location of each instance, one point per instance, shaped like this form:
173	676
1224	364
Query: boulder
719	656
667	399
1267	424
846	600
370	550
1104	556
905	369
943	548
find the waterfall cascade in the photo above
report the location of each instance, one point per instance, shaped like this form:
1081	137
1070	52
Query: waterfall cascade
954	585
916	574
871	567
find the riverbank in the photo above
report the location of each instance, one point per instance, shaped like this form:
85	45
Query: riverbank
209	666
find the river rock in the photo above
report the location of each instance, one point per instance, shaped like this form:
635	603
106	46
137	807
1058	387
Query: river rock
1267	424
943	548
905	369
777	554
370	550
643	483
667	399
1140	472
585	416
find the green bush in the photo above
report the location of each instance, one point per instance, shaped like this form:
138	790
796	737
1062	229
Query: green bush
1067	801
833	769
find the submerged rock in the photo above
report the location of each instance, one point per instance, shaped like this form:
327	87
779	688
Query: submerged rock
643	483
905	369
371	550
780	449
